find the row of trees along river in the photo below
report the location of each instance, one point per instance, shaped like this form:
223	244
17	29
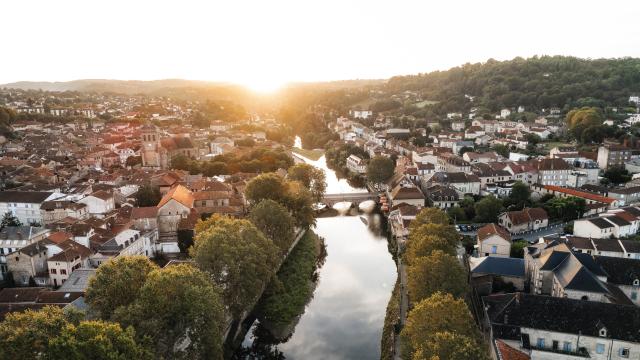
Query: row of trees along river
344	293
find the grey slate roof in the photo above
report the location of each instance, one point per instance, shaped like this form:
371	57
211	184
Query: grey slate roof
564	315
500	266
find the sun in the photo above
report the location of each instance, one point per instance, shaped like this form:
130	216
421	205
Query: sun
263	85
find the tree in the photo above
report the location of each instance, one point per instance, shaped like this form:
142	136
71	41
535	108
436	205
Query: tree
450	345
117	283
436	272
50	334
465	149
380	169
502	150
299	201
265	186
617	175
9	220
96	340
430	215
427	238
148	195
181	311
439	312
488	209
275	222
239	258
311	177
565	209
517	249
520	195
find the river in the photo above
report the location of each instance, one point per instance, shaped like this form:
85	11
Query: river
344	318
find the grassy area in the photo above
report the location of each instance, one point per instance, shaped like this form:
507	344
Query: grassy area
550	145
309	154
393	314
424	103
288	293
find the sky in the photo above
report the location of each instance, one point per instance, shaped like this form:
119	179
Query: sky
266	43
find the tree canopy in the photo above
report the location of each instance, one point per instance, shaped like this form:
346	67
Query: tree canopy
380	169
275	222
488	209
430	215
238	257
311	177
436	272
180	310
435	314
49	334
117	283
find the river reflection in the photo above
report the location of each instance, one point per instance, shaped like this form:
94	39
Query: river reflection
345	317
335	185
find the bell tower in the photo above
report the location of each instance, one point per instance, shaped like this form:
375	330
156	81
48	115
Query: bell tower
150	141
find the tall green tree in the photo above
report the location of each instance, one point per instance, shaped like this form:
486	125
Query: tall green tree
265	186
49	334
8	219
148	195
436	272
520	195
450	345
180	311
239	258
488	209
430	215
117	283
440	312
311	177
275	222
380	169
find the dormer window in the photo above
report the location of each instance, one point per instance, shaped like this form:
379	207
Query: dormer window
603	332
636	282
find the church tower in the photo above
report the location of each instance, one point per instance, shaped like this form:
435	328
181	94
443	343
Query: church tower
150	147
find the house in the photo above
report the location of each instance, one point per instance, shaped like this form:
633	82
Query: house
13	238
360	114
543	327
145	218
463	183
73	256
490	274
590	198
56	210
623	273
504	113
613	156
603	227
527	219
407	194
485	157
29	264
442	196
552	171
99	203
124	241
493	240
400	216
175	206
24	205
356	164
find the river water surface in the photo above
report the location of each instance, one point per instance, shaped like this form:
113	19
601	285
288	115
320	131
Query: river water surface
344	318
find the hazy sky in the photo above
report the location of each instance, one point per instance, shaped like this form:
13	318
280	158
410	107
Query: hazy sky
264	43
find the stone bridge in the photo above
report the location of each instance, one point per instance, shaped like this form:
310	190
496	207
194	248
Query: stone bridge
356	198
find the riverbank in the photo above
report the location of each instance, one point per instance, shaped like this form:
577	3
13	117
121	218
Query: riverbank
314	154
391	320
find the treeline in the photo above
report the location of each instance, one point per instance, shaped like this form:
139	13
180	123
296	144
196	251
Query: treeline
536	83
440	325
259	160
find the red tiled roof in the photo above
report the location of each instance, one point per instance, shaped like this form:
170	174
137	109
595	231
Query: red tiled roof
493	229
580	194
144	212
180	194
507	352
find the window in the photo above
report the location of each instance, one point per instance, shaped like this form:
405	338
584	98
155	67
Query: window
600	348
63	272
554	345
540	343
494	249
634	296
566	346
53	271
624	352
